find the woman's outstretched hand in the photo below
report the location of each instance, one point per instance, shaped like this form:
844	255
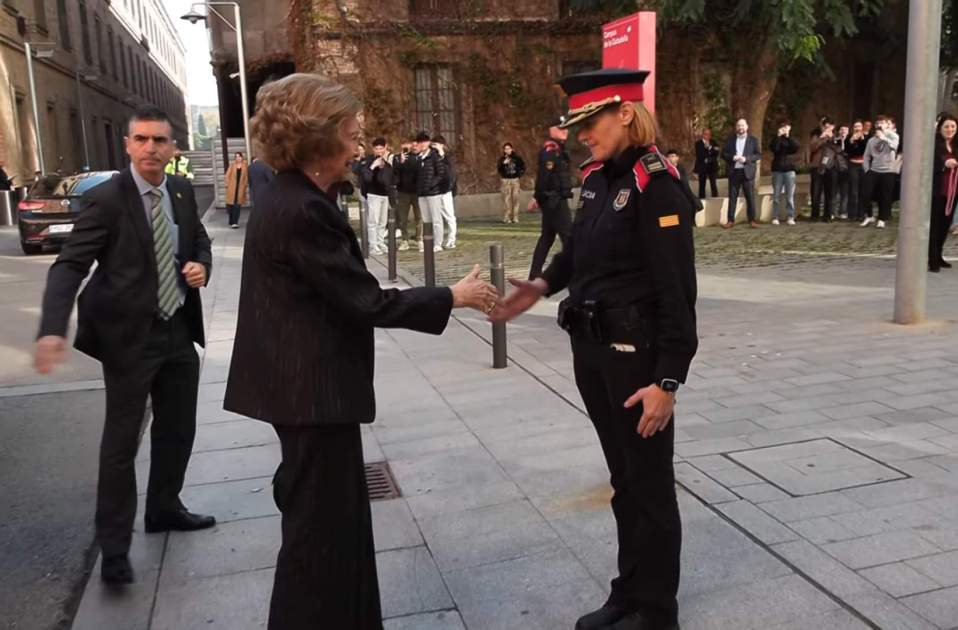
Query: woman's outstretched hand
520	300
474	292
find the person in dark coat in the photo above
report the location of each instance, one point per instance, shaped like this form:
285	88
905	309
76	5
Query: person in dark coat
139	315
672	155
304	352
783	147
260	175
511	168
741	154
944	190
6	182
706	163
552	194
629	268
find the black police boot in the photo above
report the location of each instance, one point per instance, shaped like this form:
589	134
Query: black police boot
601	619
639	621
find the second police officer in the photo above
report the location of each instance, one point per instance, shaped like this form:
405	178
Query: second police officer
629	268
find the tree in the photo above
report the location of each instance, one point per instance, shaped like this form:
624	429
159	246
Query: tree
201	127
757	38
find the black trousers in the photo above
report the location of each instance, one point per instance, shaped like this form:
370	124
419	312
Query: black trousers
168	372
737	182
855	174
326	570
644	502
234	213
880	187
556	221
938	232
712	177
823	186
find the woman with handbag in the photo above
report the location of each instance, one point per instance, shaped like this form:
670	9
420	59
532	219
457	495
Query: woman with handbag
943	192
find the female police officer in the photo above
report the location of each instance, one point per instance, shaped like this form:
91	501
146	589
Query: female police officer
629	268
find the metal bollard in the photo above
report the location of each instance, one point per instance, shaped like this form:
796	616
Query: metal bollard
8	208
428	255
364	228
498	273
391	243
21	193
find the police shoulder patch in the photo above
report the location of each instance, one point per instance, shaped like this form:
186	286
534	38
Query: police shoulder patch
653	162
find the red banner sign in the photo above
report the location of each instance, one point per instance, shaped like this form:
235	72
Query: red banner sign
630	43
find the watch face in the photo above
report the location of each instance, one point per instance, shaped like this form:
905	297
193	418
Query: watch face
669	385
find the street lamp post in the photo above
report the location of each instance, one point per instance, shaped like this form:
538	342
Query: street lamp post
28	49
193	17
86	147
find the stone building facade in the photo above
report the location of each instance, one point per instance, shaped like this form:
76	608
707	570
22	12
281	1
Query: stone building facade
99	60
482	73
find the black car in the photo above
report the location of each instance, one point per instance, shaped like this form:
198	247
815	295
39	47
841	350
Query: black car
47	215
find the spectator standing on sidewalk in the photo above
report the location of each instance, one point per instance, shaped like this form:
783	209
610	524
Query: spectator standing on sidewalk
706	163
867	129
430	178
6	182
358	166
303	357
672	155
741	154
879	165
552	193
511	168
784	147
237	186
407	171
380	181
855	150
822	163
841	173
450	188
944	191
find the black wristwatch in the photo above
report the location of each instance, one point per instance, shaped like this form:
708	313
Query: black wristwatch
669	385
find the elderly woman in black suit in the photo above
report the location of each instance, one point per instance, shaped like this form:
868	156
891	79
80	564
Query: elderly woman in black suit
303	354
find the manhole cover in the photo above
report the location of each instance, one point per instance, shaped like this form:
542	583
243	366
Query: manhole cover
379	480
815	466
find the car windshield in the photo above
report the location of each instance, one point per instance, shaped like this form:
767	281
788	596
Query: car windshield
56	185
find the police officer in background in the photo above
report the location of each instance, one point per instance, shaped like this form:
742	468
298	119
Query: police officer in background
630	271
552	194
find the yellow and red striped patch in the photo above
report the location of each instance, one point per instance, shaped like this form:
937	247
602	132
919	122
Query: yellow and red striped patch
671	220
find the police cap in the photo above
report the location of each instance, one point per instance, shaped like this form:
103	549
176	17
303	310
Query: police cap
591	92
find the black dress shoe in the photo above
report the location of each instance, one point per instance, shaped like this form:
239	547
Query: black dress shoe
639	621
601	619
116	570
934	269
944	264
179	521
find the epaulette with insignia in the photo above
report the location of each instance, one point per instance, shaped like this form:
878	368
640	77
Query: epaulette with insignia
652	163
590	166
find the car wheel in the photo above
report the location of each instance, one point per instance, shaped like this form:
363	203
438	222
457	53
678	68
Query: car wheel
30	249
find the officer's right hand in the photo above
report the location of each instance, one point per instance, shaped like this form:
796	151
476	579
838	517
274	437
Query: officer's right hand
533	205
520	300
50	352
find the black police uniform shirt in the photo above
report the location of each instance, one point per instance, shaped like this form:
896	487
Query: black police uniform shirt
632	245
553	180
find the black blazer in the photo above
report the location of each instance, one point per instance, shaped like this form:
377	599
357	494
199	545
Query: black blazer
752	155
119	303
706	159
303	353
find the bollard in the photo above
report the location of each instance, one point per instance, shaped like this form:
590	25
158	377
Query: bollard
364	227
21	193
391	243
428	255
498	273
8	208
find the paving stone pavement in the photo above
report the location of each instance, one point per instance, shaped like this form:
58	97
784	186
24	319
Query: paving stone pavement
817	459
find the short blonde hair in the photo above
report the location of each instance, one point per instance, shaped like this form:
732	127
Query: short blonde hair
298	118
643	130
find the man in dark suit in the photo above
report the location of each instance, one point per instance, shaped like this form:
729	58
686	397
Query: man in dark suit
706	163
260	174
741	153
139	315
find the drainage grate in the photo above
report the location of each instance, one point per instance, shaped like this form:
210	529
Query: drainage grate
379	480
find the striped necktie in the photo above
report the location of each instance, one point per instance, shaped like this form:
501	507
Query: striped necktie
167	295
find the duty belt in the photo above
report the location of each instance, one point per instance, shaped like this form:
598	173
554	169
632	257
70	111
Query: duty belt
589	320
